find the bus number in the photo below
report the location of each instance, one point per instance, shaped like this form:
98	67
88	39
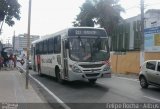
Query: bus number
78	32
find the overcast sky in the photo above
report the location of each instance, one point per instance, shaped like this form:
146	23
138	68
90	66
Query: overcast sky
49	16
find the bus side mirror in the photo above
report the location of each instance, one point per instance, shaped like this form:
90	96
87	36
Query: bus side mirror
66	44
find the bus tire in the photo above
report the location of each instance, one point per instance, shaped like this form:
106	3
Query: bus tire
58	76
92	81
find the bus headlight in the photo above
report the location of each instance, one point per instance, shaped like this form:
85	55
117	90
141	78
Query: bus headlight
106	68
76	69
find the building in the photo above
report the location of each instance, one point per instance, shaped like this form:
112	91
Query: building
130	61
151	19
20	41
7	45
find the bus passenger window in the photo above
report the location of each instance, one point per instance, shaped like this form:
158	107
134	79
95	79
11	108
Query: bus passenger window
45	47
57	44
51	45
41	47
37	48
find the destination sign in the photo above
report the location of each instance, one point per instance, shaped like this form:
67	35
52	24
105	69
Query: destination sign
86	32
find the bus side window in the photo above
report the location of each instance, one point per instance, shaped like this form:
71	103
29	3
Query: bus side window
37	48
50	45
45	51
41	48
57	44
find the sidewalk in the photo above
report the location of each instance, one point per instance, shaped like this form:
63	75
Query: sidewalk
12	88
130	75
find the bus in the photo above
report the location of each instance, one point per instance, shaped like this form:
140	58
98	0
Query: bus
78	53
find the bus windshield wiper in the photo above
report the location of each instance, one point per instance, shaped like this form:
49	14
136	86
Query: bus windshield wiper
79	38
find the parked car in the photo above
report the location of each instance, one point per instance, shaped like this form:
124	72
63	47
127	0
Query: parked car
150	73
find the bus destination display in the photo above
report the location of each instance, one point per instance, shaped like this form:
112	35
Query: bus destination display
86	32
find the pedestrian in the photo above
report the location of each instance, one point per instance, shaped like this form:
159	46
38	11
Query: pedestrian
39	64
15	60
1	62
5	60
11	61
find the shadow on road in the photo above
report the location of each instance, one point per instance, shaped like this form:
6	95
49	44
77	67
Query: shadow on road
152	88
75	84
151	91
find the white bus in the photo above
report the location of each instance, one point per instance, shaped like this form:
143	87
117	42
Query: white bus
73	54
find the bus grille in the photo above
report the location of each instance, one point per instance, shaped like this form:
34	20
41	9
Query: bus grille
91	65
92	70
91	75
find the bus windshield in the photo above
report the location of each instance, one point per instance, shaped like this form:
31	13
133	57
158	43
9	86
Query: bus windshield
88	49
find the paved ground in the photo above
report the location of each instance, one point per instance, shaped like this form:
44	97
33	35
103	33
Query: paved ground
119	89
115	90
12	90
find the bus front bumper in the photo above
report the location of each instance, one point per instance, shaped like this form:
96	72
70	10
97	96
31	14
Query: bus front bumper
91	75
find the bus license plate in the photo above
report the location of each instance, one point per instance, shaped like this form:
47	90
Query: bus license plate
107	75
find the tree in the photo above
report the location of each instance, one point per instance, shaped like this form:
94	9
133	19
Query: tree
105	13
9	9
86	16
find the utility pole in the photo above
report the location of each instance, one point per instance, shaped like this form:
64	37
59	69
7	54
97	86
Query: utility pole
8	41
142	33
142	25
14	42
28	44
1	27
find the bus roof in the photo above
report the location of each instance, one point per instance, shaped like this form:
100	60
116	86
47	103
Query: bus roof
64	31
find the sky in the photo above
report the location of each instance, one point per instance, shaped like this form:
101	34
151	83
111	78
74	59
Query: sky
49	16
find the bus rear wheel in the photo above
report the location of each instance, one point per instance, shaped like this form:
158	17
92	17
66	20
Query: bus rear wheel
92	81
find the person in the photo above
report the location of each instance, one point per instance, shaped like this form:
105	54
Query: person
15	60
5	60
39	63
11	61
1	62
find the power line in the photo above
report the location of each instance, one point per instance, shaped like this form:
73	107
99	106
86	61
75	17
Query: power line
152	3
145	5
132	7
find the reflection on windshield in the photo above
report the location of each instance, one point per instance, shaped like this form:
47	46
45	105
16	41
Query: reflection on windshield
89	49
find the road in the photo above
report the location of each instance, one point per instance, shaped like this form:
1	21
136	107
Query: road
114	90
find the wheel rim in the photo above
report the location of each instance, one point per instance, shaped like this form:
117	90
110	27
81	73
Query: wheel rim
143	82
58	77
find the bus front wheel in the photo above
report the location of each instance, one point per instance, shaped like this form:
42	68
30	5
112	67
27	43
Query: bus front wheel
58	76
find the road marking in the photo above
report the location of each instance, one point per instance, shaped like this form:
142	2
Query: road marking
50	92
152	98
135	80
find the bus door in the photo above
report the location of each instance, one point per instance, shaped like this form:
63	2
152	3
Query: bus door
33	57
65	61
34	54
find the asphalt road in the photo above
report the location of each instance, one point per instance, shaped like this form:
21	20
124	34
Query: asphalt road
114	90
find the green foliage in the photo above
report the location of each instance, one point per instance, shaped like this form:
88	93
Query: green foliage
85	17
105	13
9	9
